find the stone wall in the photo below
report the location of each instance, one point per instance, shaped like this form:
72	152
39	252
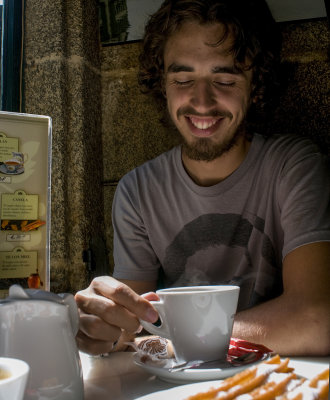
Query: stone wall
103	126
62	79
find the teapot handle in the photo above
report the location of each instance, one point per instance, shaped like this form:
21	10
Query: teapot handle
68	299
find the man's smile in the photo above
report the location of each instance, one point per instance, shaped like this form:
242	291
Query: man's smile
203	126
202	123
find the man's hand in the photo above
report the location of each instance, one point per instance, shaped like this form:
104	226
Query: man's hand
110	309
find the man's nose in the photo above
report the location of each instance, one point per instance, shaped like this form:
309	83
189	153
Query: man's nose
203	96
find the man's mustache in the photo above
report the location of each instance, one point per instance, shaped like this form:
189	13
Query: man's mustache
212	113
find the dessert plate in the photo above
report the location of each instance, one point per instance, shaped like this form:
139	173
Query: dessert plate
304	369
180	392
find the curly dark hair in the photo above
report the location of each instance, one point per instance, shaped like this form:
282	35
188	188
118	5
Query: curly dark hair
256	39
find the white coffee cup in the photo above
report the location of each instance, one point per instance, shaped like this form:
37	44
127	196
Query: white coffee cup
198	320
13	378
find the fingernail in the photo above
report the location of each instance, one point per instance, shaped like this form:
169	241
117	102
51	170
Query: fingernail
152	315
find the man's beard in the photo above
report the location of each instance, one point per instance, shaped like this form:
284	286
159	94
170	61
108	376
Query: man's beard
203	149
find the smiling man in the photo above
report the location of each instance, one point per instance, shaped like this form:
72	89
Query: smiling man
207	99
228	206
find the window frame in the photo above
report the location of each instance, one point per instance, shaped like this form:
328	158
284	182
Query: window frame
12	55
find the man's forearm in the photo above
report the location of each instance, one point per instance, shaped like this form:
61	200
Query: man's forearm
286	326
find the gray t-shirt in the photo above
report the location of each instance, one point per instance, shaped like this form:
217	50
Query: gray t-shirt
235	232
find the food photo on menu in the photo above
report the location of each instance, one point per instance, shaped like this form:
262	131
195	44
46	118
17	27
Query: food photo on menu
14	165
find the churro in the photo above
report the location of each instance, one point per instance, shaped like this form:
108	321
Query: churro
272	379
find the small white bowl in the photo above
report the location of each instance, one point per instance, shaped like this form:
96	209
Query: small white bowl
13	387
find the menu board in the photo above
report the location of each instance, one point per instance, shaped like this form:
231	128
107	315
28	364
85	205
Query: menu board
25	167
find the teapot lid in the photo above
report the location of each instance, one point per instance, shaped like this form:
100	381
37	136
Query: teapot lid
16	292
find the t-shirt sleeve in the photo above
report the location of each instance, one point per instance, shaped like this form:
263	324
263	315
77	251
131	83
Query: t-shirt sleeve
304	198
134	257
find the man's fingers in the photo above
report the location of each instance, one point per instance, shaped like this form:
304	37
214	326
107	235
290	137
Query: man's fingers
133	302
151	296
95	328
107	308
92	346
100	313
124	296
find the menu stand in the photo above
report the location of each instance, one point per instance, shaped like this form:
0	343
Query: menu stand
25	188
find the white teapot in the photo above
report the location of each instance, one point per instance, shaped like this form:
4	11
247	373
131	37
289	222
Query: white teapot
39	327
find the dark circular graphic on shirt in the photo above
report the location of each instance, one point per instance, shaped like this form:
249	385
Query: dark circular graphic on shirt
210	230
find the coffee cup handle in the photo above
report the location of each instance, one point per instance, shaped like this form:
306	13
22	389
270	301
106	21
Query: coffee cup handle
160	330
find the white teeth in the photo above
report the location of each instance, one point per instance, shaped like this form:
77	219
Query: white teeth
202	124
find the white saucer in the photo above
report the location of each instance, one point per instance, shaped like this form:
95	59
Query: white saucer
189	375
